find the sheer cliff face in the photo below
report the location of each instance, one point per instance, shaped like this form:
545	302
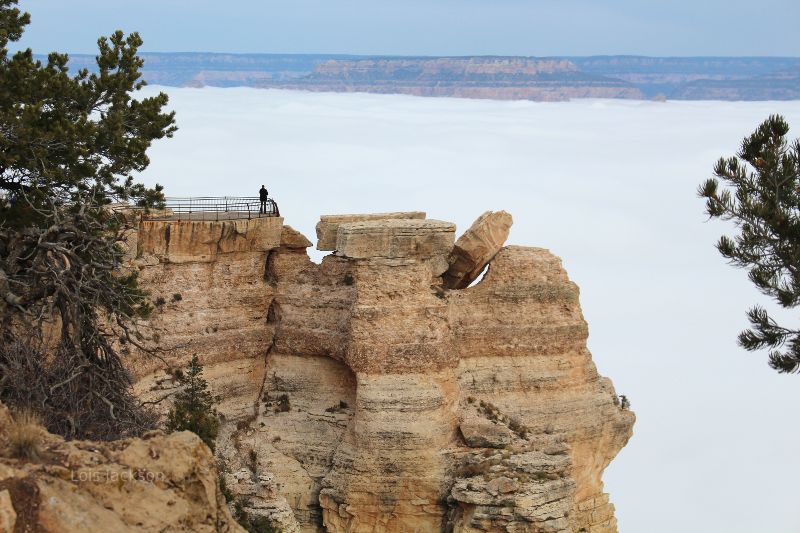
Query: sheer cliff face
377	398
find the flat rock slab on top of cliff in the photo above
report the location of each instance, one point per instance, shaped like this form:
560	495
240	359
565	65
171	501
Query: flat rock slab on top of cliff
328	225
193	241
420	239
476	247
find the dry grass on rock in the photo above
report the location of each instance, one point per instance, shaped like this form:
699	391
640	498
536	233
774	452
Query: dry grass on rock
25	436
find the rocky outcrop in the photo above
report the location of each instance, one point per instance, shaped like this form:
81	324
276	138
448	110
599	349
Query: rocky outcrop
206	280
190	241
293	239
153	484
377	398
476	247
533	370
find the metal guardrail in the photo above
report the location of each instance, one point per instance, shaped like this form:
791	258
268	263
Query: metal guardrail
215	208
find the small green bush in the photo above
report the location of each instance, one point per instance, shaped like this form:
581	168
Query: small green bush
624	402
253	456
253	524
283	404
341	406
223	488
193	409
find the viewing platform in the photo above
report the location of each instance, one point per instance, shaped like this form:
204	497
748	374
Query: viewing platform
208	208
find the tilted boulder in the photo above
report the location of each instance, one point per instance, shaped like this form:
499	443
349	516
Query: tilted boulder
476	247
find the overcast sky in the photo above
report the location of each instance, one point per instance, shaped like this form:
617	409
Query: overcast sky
426	27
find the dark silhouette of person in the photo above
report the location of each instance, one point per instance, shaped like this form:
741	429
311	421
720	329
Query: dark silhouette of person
263	193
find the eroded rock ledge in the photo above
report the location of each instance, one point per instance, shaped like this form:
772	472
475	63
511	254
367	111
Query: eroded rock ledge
374	392
156	483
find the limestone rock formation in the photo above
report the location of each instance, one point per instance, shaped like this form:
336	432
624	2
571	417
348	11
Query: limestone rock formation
363	394
328	225
207	280
154	484
191	241
291	238
476	247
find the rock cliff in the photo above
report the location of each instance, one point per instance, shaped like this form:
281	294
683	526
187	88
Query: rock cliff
386	389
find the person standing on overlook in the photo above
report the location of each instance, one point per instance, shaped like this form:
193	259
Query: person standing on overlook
263	193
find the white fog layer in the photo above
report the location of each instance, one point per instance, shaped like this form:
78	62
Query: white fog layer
609	186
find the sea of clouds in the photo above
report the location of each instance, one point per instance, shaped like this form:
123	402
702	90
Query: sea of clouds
609	186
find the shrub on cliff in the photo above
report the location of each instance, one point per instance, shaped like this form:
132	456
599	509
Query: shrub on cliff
70	401
193	409
762	199
68	146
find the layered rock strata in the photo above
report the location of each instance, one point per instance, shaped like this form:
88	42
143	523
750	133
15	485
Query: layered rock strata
500	78
206	280
328	225
365	394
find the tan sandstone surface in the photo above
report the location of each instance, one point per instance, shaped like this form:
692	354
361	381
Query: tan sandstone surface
363	394
159	483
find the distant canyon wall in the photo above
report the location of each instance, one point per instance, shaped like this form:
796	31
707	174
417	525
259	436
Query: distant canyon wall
495	77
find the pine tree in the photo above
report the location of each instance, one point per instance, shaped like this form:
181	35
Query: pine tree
762	199
70	142
193	409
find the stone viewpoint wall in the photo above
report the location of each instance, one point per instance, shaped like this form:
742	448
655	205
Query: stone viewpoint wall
378	390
